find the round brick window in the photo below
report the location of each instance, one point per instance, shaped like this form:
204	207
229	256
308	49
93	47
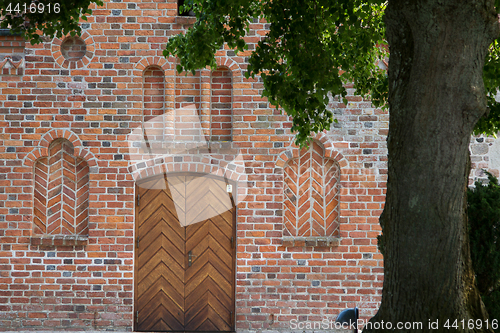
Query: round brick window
73	48
73	52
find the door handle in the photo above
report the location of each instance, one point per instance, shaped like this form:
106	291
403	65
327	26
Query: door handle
190	258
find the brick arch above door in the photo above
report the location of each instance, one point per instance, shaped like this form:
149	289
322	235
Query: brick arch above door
187	163
234	172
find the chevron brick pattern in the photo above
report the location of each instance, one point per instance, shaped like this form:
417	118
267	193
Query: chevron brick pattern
311	195
61	194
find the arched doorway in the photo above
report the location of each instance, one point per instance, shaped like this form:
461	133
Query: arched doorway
185	253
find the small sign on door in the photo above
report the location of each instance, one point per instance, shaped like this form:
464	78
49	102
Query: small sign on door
229	188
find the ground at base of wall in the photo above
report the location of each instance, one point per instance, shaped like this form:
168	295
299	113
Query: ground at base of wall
243	331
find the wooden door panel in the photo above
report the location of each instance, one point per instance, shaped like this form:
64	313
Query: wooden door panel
208	270
160	319
159	260
157	296
209	249
170	242
208	320
161	267
177	188
170	294
221	223
206	195
205	262
167	214
208	301
152	200
211	229
214	289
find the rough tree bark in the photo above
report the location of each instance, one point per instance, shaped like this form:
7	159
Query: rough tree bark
436	95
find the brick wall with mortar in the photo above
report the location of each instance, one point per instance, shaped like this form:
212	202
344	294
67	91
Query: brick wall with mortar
94	96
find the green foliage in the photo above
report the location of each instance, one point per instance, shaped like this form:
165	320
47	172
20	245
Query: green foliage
44	17
312	49
490	123
484	234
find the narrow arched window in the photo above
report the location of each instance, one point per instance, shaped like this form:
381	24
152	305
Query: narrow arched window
311	195
221	111
61	193
154	120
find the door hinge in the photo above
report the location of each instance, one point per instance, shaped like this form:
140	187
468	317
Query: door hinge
232	241
138	198
232	319
137	243
137	316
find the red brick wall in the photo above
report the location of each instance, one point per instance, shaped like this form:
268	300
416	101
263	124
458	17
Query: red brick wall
221	105
98	103
11	55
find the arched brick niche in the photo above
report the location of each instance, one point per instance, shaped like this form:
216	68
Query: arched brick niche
221	111
154	118
311	199
61	196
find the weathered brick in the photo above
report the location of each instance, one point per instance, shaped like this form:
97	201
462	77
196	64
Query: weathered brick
67	265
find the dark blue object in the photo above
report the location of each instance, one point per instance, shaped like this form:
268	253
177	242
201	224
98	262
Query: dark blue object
350	317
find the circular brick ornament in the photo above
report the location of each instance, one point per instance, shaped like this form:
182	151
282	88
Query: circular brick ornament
73	51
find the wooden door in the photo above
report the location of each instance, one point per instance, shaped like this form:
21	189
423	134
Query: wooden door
184	274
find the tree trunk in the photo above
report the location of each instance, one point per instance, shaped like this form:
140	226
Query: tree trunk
436	95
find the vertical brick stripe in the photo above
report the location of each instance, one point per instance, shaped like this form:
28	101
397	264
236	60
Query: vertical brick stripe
221	120
55	191
187	107
81	218
40	197
330	197
316	168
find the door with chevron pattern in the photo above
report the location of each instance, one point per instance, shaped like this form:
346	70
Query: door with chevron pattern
185	255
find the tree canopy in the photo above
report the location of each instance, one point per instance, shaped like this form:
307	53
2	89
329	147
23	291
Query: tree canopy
313	48
34	19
